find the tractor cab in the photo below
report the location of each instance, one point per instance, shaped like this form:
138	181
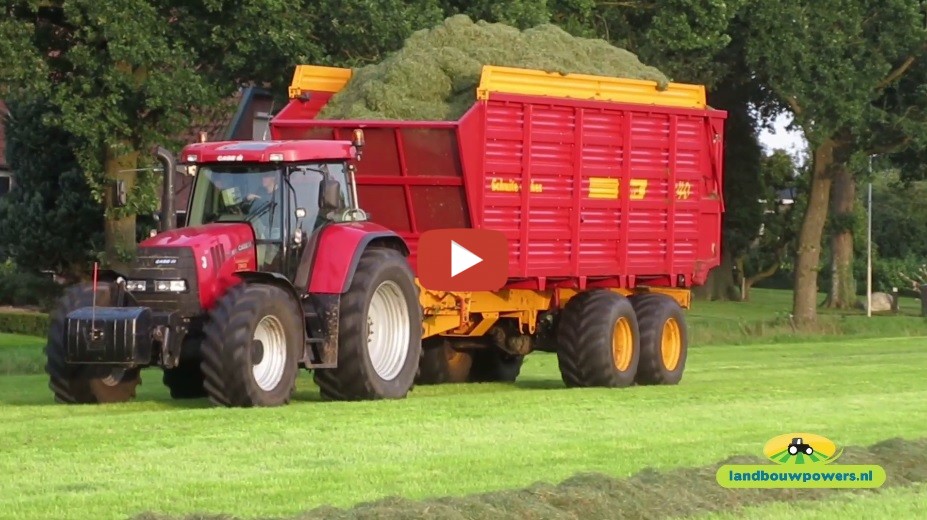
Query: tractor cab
285	190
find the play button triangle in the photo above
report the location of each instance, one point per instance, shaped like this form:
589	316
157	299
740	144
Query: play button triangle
462	259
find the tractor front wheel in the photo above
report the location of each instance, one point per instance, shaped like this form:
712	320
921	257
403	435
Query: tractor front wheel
379	334
251	349
84	384
185	381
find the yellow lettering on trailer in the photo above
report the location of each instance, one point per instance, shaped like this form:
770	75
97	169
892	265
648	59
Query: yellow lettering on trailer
603	188
638	189
683	190
607	188
510	186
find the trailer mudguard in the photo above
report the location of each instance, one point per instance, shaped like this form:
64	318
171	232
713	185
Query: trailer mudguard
338	251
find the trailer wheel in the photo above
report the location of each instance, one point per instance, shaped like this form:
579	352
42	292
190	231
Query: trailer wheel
251	349
442	363
664	339
380	332
598	338
84	384
492	365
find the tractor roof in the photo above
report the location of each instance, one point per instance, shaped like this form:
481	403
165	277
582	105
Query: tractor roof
262	151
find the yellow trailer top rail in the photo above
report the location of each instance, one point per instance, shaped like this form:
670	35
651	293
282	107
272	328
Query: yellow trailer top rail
315	78
510	80
529	82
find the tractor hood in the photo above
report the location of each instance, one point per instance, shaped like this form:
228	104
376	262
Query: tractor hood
219	251
209	235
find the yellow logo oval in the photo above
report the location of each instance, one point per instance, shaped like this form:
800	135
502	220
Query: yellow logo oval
801	448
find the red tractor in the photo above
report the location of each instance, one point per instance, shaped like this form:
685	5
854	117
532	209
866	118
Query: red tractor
276	269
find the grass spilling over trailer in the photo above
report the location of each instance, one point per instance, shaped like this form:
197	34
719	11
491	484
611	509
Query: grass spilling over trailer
435	74
181	457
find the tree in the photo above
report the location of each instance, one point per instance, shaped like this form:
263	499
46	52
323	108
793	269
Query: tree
126	74
517	13
50	199
773	244
829	71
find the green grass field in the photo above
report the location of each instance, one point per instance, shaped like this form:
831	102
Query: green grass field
184	457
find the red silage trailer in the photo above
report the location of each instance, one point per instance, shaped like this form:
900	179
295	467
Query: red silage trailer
608	190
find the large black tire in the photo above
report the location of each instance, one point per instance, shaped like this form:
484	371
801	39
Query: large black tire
185	381
589	353
492	365
84	384
662	322
386	274
232	350
442	363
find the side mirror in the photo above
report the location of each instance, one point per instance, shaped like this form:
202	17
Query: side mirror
330	194
299	235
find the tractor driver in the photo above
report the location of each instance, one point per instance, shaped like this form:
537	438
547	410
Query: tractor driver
265	216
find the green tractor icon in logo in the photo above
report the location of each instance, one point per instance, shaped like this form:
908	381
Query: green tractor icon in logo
798	446
801	448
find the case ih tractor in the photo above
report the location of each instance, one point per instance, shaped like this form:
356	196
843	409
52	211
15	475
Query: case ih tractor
277	269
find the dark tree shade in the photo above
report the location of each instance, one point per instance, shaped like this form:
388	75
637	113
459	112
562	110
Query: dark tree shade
49	221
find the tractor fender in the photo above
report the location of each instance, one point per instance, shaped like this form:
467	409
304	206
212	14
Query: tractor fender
282	282
339	249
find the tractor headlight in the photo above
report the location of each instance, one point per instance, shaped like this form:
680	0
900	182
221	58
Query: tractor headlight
171	285
136	285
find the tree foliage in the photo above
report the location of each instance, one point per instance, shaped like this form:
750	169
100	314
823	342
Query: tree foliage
127	74
831	72
48	221
774	244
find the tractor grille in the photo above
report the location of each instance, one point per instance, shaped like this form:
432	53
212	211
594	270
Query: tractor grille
166	263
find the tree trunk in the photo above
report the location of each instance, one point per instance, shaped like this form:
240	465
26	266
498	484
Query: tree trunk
119	226
843	284
720	283
754	279
808	257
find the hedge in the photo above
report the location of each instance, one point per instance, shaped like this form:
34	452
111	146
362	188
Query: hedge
27	323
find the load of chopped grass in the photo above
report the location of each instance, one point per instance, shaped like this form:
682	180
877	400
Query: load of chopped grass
435	75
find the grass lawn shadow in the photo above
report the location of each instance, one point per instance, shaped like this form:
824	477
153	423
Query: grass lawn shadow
540	384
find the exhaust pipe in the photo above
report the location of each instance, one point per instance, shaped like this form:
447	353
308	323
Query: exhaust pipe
168	215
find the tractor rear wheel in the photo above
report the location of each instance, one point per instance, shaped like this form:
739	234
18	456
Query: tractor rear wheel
84	384
599	340
379	334
664	339
251	349
442	363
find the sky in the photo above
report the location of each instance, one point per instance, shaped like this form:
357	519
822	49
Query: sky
793	142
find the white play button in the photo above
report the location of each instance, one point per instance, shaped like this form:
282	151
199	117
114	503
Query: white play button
462	259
